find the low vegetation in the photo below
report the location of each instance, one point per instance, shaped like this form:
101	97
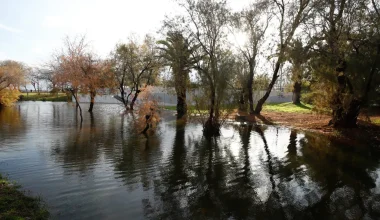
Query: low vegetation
15	204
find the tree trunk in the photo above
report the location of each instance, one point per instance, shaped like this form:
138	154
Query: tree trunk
211	127
249	87
180	77
242	103
122	95
134	99
77	105
92	102
296	93
345	106
181	105
346	118
261	102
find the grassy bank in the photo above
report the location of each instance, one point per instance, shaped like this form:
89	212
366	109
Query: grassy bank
32	96
15	204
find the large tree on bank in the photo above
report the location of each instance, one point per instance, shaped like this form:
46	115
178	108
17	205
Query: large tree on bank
349	43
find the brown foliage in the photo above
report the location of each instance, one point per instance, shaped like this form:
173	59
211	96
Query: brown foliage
147	111
11	76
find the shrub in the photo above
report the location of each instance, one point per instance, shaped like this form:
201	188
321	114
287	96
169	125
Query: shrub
9	96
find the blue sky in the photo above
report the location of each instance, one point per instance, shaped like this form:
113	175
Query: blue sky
30	31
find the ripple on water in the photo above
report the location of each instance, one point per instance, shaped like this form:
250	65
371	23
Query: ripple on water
102	170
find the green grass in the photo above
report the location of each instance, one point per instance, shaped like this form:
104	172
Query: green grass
172	108
376	121
288	107
60	97
14	204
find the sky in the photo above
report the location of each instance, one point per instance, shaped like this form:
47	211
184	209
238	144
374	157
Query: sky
30	31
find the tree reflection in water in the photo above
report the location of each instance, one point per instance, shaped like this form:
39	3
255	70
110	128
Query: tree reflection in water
253	172
203	179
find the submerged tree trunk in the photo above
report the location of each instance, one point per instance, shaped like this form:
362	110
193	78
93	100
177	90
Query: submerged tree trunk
73	93
122	95
134	99
296	93
261	102
211	126
92	101
181	105
180	78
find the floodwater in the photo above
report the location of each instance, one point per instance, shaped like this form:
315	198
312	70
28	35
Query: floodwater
104	170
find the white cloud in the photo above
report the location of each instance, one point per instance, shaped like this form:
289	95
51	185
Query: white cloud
10	29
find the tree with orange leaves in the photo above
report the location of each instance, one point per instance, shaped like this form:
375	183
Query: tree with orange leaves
78	69
11	77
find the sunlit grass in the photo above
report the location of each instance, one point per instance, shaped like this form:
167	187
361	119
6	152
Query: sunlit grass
288	107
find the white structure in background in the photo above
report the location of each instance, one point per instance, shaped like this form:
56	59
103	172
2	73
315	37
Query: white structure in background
167	97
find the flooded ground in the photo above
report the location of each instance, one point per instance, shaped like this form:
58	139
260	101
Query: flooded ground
104	170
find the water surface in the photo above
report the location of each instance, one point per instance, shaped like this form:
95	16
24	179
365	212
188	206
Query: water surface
104	170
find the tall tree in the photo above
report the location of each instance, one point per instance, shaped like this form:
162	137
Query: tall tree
349	42
253	21
80	70
49	77
297	55
177	53
207	22
290	15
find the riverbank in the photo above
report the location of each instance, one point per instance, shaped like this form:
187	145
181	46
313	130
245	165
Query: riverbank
51	97
15	204
302	117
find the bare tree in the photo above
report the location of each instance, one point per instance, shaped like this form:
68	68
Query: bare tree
290	15
34	78
253	21
135	65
